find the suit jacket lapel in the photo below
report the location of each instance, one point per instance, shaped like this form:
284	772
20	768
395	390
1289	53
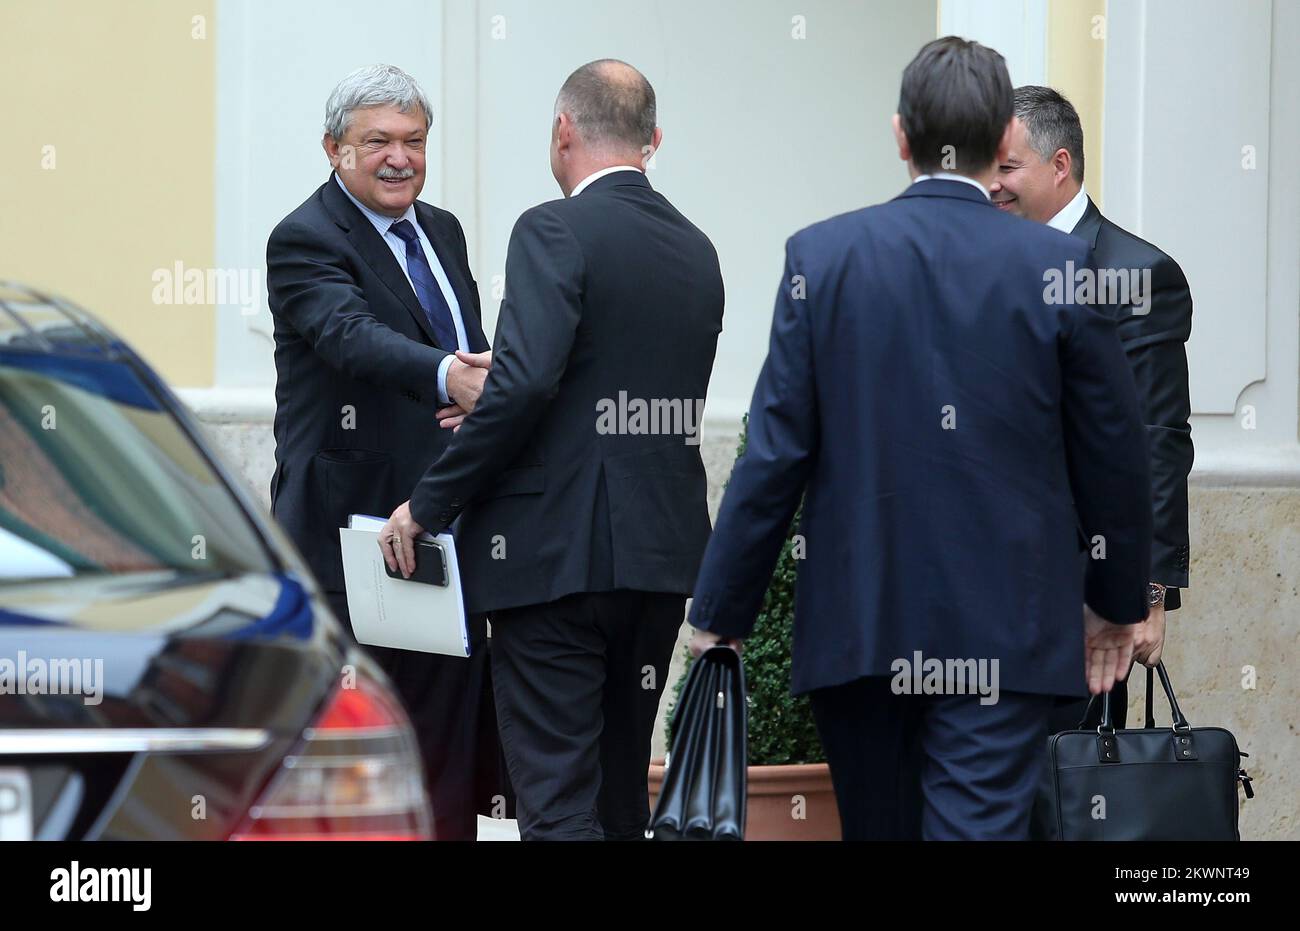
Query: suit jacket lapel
372	248
468	308
1089	225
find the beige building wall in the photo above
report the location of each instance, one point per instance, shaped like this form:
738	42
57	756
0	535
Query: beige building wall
106	170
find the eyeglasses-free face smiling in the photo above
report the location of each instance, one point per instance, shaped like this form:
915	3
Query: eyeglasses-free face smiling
381	157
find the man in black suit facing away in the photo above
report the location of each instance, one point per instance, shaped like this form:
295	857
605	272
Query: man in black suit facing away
579	472
1043	180
944	415
372	297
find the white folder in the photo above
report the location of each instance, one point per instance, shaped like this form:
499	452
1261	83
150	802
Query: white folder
401	613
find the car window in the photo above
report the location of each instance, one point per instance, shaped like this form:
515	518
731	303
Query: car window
96	476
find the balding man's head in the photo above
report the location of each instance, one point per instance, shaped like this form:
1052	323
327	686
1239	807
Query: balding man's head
611	105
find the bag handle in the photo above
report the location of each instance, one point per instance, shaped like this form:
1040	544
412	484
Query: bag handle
1150	703
1180	722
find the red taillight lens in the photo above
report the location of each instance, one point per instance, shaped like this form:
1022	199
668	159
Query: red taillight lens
356	776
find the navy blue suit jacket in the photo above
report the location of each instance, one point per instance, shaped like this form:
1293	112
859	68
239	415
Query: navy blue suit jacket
959	432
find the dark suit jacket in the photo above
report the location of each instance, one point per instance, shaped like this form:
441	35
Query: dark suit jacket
923	313
356	369
1156	346
609	292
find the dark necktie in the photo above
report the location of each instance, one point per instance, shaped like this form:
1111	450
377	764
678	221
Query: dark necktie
426	287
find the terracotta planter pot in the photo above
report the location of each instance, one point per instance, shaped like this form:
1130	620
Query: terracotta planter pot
774	811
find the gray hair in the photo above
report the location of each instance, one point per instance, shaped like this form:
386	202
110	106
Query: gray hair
373	86
1051	123
611	105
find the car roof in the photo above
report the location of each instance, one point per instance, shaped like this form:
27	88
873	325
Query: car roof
33	321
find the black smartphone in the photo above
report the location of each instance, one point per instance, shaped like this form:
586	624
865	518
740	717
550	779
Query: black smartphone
430	565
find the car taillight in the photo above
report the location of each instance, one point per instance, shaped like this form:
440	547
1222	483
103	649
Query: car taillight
355	776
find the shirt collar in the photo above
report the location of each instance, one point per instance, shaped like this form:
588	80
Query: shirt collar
950	176
380	222
586	182
1070	215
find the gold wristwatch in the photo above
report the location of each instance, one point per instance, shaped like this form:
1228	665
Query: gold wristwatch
1155	594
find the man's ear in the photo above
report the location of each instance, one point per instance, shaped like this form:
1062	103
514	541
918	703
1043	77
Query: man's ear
1062	165
564	133
900	137
331	147
648	151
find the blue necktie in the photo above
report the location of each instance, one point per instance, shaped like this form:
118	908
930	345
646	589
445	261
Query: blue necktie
426	287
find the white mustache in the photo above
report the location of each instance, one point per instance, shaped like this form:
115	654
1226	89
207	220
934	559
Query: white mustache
395	174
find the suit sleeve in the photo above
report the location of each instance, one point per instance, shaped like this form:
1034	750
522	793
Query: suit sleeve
1106	451
1155	343
314	293
768	480
536	329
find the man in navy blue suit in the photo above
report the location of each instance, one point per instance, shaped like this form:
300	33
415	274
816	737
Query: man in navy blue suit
961	424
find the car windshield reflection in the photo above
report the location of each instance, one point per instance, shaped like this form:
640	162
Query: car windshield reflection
97	477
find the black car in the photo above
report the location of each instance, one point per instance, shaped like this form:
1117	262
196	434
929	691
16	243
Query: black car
167	668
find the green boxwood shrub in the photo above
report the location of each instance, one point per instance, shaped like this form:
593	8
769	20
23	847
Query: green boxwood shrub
781	728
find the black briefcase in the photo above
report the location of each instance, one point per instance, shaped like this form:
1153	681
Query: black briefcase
1149	783
703	793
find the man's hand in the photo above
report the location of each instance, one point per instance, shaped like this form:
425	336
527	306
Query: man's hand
397	540
703	640
1107	651
1149	641
465	378
450	418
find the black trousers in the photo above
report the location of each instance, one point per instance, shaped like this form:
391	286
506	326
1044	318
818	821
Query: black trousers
449	701
932	767
577	685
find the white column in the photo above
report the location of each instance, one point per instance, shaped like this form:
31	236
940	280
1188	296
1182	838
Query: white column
1016	28
1199	97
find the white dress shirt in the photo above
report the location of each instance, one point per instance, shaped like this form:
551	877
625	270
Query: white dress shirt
383	225
1070	215
950	176
586	182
